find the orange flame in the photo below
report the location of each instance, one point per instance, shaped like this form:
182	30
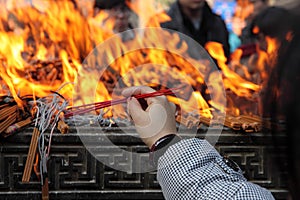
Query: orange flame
43	45
267	58
232	81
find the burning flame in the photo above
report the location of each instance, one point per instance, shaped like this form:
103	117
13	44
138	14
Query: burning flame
48	43
267	58
232	81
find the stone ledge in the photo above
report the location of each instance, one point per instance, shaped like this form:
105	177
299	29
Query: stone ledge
75	174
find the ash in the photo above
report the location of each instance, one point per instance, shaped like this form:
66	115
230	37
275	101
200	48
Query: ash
98	120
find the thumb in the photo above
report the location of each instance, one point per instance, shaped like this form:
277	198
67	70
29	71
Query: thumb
173	107
135	110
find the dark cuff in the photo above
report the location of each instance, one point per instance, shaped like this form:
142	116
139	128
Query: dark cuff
160	147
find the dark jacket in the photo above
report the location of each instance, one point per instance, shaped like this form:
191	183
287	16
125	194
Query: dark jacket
212	27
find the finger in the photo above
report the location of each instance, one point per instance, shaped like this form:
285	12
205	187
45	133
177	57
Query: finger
173	107
130	91
136	111
135	90
150	100
127	92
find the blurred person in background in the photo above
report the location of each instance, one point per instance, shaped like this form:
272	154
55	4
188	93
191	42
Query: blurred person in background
273	30
281	99
120	15
282	105
196	19
254	8
246	11
274	22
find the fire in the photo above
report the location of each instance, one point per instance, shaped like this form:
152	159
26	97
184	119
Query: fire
11	46
150	16
267	58
50	43
232	81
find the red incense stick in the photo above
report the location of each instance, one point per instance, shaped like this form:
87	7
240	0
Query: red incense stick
78	110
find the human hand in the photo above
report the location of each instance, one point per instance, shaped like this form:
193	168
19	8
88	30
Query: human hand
156	121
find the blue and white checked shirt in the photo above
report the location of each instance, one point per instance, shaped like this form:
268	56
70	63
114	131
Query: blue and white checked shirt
193	169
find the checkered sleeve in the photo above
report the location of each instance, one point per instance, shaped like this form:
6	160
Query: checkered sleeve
193	169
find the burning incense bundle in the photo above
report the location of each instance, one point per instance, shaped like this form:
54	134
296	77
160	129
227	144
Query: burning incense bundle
7	116
78	110
47	111
12	118
14	128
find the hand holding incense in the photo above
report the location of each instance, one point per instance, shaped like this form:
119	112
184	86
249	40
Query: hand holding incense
155	123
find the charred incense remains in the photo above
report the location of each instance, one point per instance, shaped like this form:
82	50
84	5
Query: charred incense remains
244	123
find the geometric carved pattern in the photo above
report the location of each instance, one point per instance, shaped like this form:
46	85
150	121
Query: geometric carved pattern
250	161
76	174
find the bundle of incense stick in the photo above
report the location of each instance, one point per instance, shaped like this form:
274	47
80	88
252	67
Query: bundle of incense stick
31	155
78	110
8	115
14	128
